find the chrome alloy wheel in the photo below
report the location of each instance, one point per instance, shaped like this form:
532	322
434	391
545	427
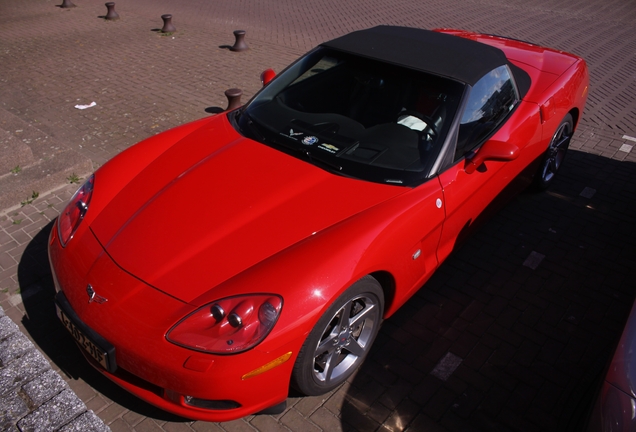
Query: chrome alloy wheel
556	151
346	338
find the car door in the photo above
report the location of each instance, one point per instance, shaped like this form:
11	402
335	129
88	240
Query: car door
495	131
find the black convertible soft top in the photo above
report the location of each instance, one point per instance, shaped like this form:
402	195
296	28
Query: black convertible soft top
455	57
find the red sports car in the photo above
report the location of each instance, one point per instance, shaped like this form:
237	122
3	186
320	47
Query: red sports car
211	267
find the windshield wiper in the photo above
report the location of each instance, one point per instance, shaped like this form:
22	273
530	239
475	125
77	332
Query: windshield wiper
244	117
322	163
288	147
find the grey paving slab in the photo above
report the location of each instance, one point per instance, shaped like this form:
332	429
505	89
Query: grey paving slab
32	396
85	422
44	388
53	414
12	409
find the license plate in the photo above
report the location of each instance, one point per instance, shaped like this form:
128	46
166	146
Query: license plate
100	355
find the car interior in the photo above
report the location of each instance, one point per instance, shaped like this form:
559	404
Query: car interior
373	113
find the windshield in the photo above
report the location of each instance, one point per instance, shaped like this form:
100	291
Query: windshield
355	116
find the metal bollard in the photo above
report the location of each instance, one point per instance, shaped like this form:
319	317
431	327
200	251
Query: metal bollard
167	24
239	44
111	15
67	4
233	96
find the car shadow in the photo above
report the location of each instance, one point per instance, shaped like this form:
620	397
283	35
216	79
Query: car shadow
40	321
525	315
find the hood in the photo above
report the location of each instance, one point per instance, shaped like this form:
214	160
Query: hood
203	212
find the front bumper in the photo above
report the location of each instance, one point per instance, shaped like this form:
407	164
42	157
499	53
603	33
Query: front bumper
130	326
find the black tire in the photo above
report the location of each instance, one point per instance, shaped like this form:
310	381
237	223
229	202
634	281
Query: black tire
554	155
341	339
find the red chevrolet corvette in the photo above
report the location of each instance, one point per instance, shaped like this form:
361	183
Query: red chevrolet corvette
211	267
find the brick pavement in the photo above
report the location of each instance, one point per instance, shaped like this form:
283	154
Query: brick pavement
530	339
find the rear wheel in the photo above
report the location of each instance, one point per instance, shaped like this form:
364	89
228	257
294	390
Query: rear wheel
341	339
555	154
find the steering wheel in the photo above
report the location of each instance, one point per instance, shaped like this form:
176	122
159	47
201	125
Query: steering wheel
430	129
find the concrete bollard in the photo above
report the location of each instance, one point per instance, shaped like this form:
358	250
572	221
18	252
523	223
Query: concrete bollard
111	15
239	44
67	4
167	24
233	96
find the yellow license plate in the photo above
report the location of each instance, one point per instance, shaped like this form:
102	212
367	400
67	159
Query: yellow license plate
87	345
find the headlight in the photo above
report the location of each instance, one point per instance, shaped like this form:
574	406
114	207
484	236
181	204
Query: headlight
228	326
74	212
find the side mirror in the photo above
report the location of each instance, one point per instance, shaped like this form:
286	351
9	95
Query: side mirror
493	150
267	76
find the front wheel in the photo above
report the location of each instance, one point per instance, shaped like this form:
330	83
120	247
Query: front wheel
341	339
553	158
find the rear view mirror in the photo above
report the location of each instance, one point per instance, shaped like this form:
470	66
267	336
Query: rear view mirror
493	150
267	76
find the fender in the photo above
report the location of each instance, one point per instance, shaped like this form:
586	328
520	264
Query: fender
313	265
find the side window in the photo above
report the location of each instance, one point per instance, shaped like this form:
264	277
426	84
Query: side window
489	103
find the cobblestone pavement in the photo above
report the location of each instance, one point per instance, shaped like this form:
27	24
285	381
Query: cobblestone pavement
531	306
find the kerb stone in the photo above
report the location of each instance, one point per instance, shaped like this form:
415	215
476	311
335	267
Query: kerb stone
55	413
